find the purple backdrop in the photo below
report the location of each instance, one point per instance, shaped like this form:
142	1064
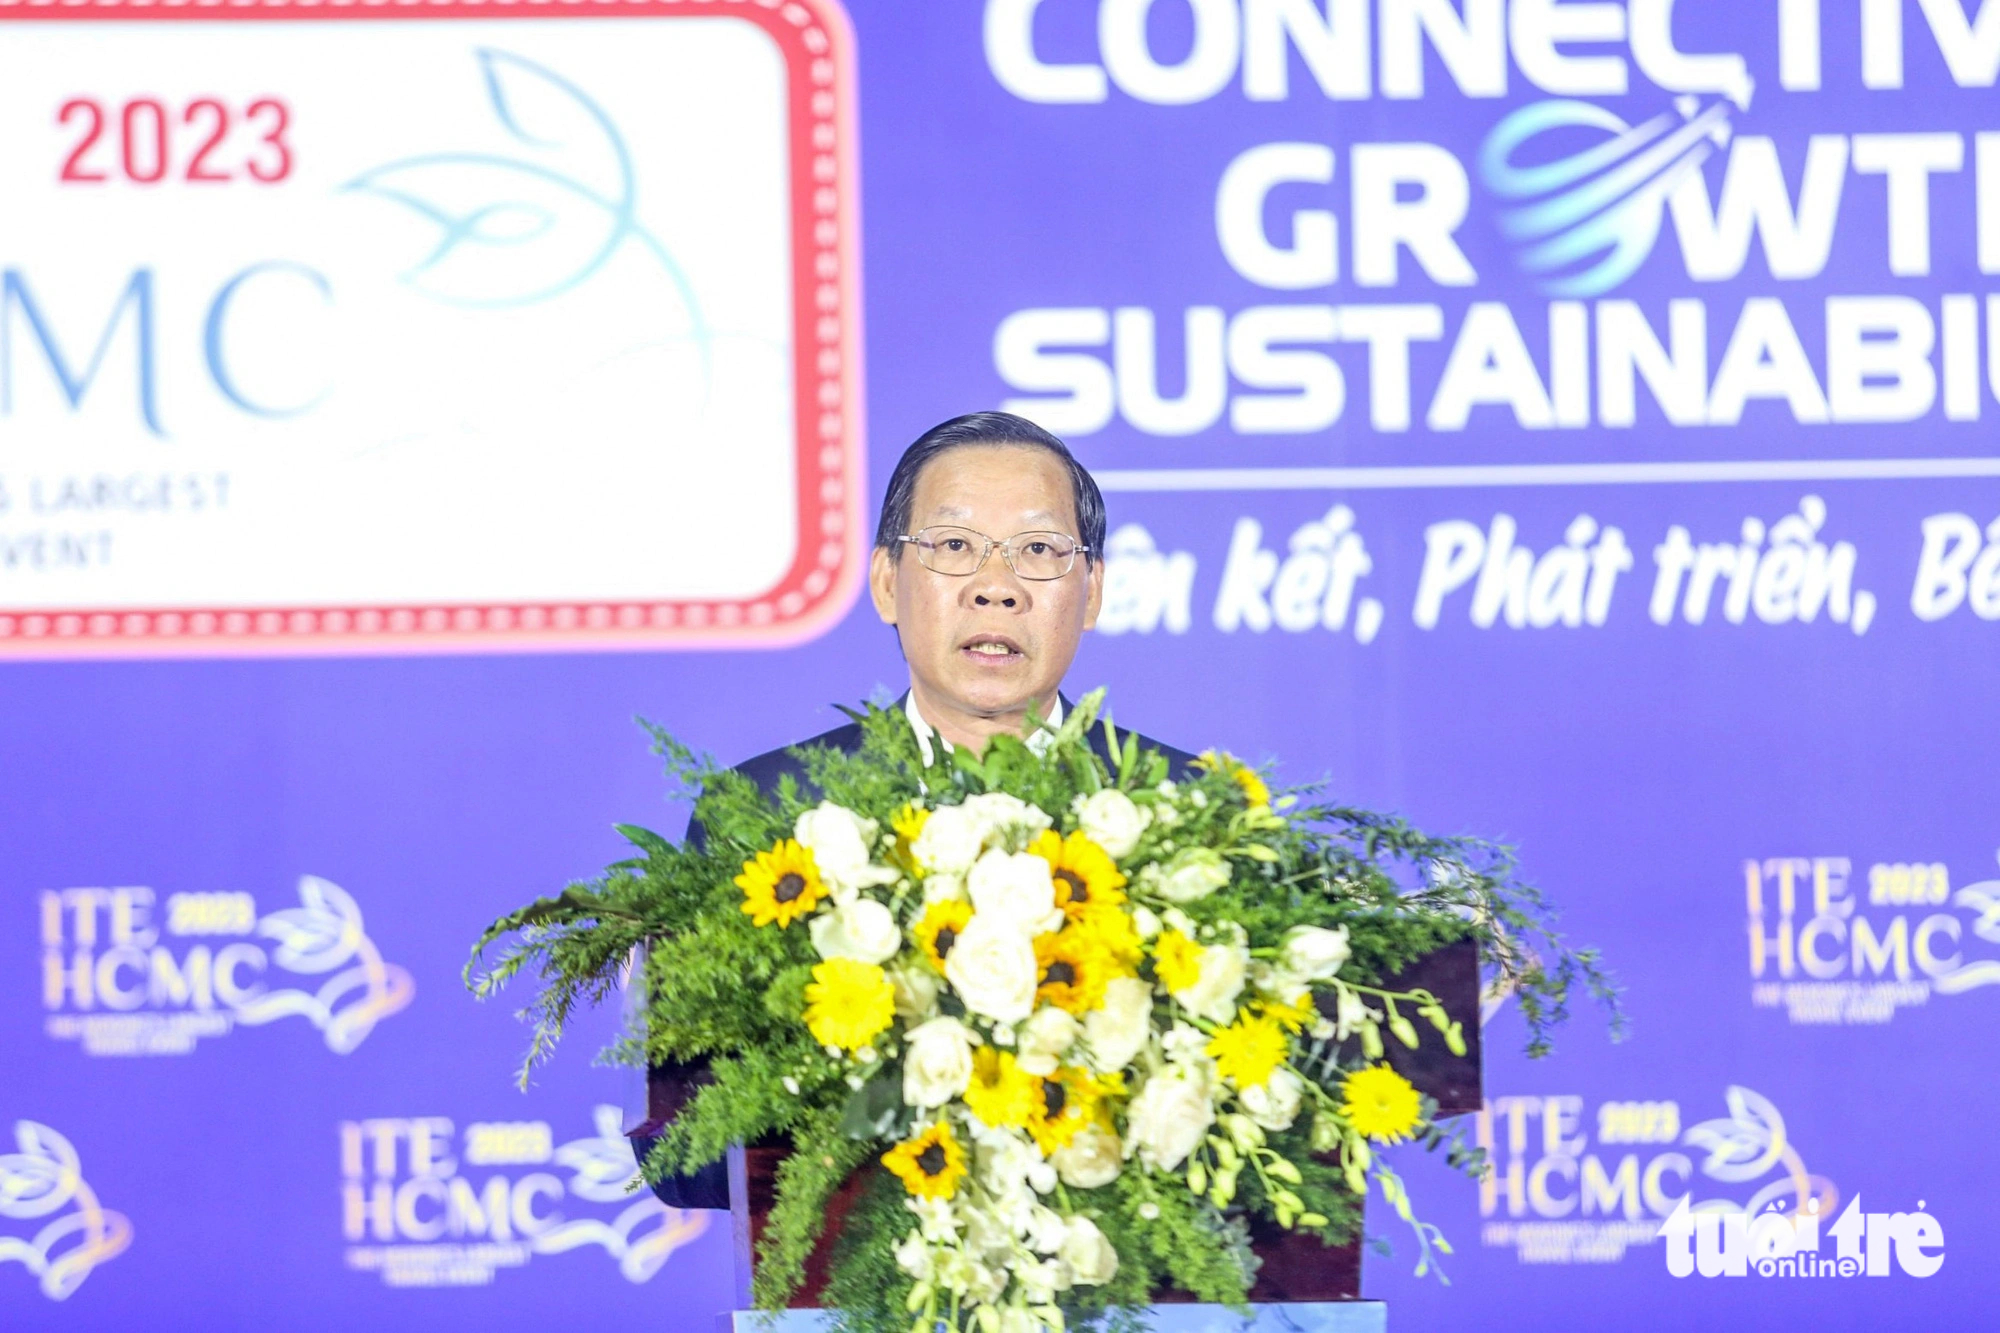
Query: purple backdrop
1808	793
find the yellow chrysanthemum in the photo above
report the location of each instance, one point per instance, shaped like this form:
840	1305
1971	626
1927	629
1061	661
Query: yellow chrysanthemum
1001	1093
938	929
1110	931
1085	876
781	885
849	1003
1249	1050
1071	971
1246	777
1294	1015
1176	960
929	1165
1381	1104
1064	1102
906	824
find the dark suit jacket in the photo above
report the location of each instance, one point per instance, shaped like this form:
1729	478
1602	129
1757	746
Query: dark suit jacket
709	1187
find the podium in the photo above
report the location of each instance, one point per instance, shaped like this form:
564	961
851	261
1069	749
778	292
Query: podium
1302	1287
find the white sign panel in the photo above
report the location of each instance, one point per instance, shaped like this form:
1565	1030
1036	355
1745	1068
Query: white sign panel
361	332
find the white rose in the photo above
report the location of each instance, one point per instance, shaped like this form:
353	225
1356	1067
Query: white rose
1089	1160
1111	820
916	989
992	967
949	841
1314	953
944	887
864	930
1043	1038
1274	1103
1117	1032
1185	1045
1193	873
998	814
1091	1258
1014	885
1168	1118
1046	1229
1213	994
840	841
937	1062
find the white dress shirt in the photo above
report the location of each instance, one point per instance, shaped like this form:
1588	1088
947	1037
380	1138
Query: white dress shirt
1039	742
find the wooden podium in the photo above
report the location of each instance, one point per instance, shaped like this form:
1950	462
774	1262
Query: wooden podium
1318	1286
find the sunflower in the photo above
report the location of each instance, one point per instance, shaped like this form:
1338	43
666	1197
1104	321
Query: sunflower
1084	874
1072	970
938	929
929	1165
1176	960
1381	1104
1249	1050
1064	1103
1001	1093
780	885
849	1003
1111	932
1254	790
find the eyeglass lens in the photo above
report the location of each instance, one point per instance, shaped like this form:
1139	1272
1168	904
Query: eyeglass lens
960	551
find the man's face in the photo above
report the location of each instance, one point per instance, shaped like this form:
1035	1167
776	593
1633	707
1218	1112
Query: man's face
984	646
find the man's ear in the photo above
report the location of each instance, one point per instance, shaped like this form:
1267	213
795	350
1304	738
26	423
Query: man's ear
882	585
1094	598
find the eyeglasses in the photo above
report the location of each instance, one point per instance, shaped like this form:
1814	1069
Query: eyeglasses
959	552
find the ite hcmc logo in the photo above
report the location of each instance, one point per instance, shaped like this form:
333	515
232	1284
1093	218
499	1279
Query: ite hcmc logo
127	972
1778	1244
1832	947
1566	1186
413	1210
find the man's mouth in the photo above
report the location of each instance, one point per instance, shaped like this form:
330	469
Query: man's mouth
991	647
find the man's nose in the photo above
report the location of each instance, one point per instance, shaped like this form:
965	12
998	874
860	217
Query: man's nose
997	585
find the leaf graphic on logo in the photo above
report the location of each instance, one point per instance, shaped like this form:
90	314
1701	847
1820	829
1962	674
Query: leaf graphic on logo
517	229
548	114
1746	1145
319	935
604	1165
40	1178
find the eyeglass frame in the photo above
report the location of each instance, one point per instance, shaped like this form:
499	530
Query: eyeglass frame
1006	551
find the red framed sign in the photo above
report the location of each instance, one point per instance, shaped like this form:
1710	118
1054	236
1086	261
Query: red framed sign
455	326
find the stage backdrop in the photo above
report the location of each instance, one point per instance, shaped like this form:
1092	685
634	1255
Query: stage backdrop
1564	421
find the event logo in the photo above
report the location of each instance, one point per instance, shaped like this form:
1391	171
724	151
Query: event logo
125	983
1556	1196
410	1213
1600	207
1827	951
43	1194
1775	1244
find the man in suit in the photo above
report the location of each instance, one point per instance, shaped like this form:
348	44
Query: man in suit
988	564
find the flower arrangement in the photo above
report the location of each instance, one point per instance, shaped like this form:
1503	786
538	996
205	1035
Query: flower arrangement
1075	1022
